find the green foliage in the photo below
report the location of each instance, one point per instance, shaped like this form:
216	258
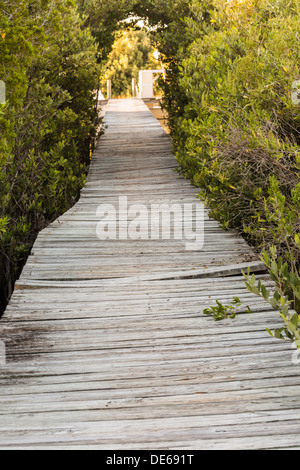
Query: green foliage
239	136
48	62
132	51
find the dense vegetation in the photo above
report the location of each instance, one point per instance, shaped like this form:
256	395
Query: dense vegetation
131	52
238	137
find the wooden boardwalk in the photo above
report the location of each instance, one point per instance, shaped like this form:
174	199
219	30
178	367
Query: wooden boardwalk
106	343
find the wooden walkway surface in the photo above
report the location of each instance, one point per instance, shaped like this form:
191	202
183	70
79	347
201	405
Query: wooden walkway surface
106	343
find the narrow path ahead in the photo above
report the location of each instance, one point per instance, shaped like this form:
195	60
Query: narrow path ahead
106	343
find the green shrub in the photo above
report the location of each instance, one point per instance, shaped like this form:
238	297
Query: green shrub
284	298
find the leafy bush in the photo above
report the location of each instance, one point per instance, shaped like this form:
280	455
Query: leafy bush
230	94
239	135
